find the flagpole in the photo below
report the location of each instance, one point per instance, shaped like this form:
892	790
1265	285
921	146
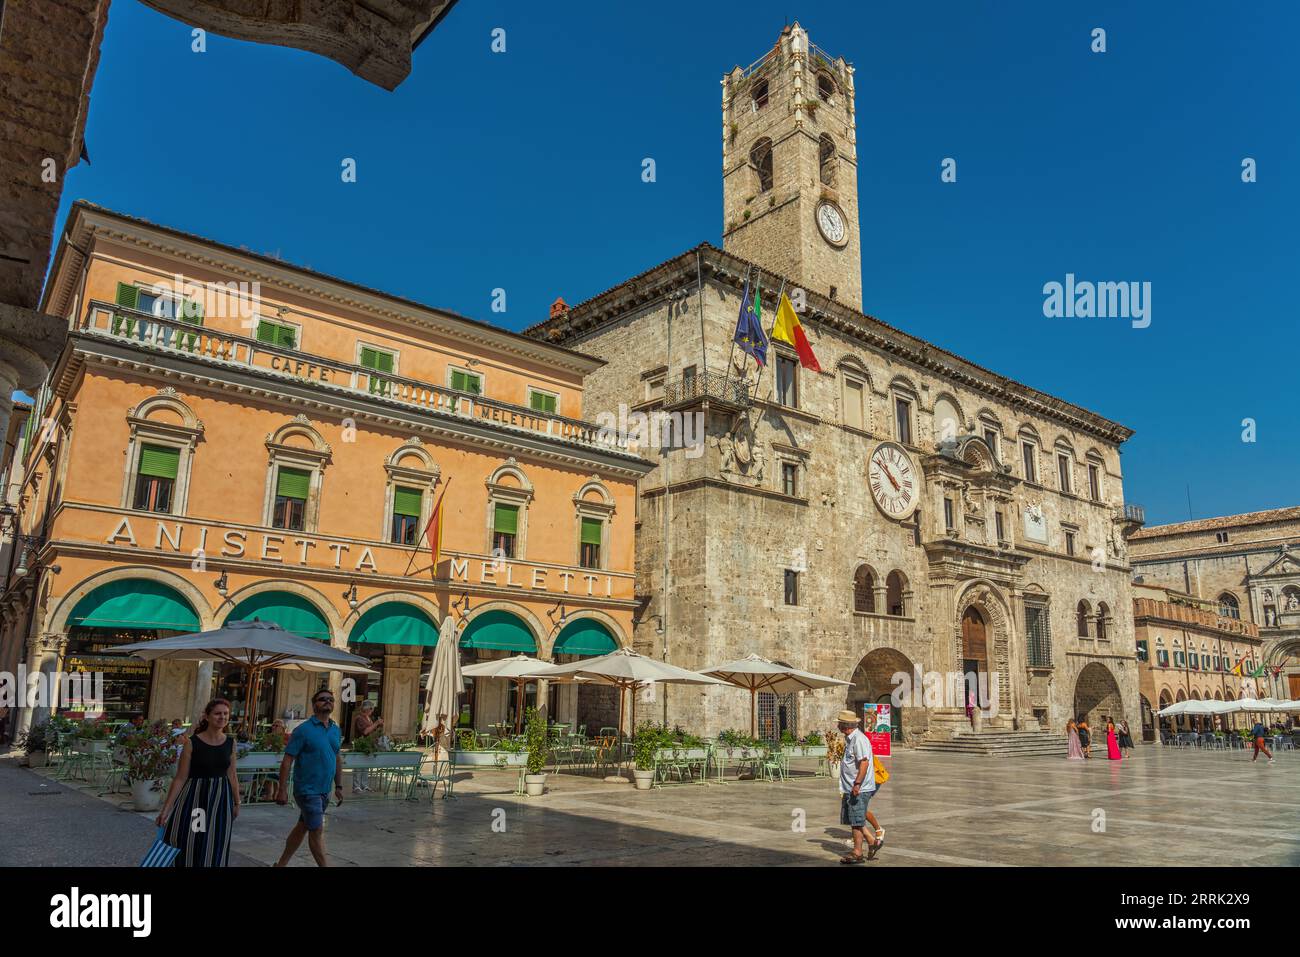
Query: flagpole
771	356
732	356
415	550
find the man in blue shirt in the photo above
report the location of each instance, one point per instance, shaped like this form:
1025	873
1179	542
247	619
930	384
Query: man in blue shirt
1258	733
315	746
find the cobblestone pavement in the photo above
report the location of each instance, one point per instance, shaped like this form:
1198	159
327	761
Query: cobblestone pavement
1162	807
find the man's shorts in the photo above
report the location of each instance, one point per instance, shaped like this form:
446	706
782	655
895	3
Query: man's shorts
311	809
853	810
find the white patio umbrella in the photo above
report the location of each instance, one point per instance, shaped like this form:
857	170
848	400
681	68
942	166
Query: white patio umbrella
519	669
1197	706
252	645
756	674
626	669
445	682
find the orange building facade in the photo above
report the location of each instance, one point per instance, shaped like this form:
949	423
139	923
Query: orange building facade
228	437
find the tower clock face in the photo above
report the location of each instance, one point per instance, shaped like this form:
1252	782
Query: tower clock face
895	484
831	223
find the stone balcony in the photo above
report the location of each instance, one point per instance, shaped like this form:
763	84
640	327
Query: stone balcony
1185	614
219	349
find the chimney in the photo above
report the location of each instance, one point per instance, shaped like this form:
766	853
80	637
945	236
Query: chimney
559	308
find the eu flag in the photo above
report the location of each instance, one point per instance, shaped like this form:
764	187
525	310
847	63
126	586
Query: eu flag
749	327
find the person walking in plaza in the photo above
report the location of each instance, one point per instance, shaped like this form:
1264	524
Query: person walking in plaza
1085	738
203	800
1125	738
1258	733
314	752
363	723
1112	742
857	785
1075	752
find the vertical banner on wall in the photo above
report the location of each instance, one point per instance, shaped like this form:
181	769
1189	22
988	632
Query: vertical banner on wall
877	723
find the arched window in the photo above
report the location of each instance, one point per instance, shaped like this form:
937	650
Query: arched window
1082	616
760	157
826	159
825	86
1229	607
760	94
1103	615
864	590
896	594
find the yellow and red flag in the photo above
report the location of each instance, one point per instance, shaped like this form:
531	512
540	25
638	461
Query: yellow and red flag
434	532
789	329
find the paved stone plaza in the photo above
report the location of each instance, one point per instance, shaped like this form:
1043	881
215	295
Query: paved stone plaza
1161	808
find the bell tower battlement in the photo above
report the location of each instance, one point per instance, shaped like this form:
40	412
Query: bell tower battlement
790	169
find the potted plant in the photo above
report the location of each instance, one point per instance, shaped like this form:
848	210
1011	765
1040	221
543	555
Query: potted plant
814	745
150	755
645	742
92	735
36	742
536	745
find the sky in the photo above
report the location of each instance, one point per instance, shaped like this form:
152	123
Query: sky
522	170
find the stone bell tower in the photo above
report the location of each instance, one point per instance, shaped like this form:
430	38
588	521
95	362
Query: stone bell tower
790	168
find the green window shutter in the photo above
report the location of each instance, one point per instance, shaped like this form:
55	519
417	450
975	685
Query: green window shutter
159	461
541	402
385	361
293	483
369	358
265	332
506	520
128	295
407	501
591	530
464	381
191	312
286	336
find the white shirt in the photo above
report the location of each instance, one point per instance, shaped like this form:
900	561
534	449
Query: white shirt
856	747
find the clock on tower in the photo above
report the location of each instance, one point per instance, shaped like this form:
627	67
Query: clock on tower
789	167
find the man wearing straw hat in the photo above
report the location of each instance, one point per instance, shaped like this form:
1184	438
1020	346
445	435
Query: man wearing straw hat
857	784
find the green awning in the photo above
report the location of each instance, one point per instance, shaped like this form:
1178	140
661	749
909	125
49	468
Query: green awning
499	631
395	623
159	461
506	520
293	483
585	636
291	612
134	603
407	501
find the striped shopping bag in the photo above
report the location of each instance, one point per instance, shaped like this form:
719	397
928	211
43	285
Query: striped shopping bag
161	854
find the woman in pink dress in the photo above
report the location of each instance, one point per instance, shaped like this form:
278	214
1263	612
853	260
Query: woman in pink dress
1072	733
1112	743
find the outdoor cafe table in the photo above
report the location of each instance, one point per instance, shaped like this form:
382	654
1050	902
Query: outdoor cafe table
255	766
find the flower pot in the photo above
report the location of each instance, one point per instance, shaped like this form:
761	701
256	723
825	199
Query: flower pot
535	784
38	759
145	796
643	779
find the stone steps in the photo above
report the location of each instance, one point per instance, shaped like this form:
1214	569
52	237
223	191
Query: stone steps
1000	744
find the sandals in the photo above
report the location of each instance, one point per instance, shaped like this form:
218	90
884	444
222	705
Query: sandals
874	849
851	859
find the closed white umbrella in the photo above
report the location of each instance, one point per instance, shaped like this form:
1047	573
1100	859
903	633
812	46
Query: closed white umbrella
626	669
755	674
252	645
445	681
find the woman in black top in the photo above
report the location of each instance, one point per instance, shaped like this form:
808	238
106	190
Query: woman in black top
203	801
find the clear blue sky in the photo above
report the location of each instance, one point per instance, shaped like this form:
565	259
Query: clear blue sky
522	171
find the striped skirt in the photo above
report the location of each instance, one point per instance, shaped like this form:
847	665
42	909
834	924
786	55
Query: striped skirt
204	839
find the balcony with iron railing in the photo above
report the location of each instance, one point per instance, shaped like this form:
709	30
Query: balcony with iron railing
1131	517
220	349
718	390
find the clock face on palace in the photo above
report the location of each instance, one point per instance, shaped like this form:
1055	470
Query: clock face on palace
894	482
831	223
